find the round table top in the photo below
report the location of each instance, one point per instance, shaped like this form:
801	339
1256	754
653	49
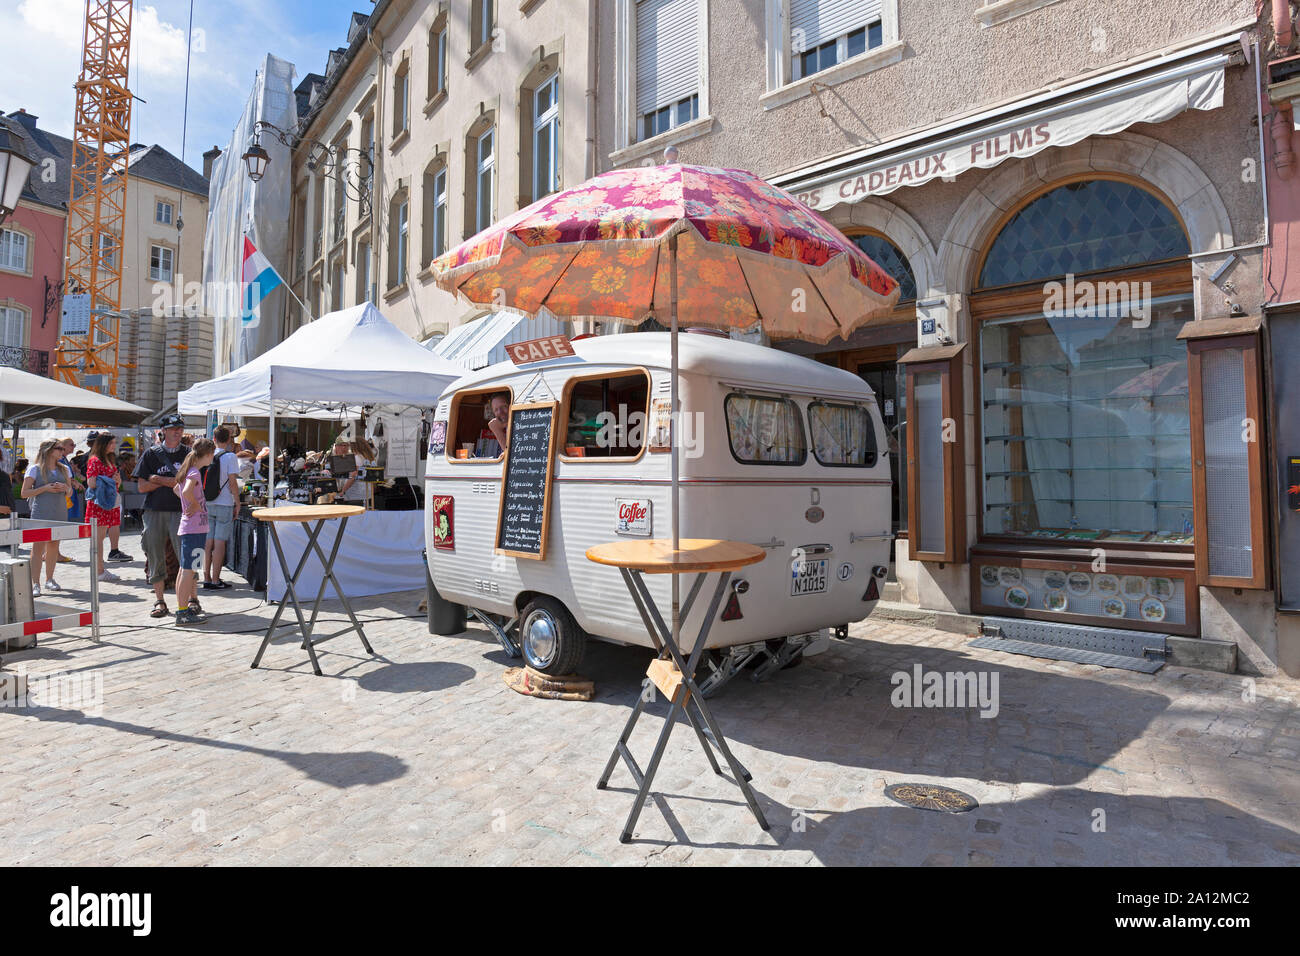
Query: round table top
307	512
656	555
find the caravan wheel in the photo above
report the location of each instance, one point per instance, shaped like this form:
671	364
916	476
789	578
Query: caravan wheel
551	640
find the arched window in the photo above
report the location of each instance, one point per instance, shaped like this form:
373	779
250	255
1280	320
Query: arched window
890	258
1083	227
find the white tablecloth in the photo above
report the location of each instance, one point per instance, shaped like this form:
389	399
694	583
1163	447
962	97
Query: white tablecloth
380	554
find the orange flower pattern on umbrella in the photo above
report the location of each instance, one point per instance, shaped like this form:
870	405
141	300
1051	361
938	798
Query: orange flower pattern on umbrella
617	224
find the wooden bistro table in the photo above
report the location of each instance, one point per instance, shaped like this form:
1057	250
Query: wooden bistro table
304	515
671	671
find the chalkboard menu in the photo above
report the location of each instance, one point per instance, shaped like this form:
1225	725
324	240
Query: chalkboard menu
526	488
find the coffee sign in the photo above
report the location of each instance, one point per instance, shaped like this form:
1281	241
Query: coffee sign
633	516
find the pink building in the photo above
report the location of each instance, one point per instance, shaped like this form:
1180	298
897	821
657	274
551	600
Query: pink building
32	252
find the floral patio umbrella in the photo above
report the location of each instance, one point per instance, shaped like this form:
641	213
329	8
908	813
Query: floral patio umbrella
747	252
718	247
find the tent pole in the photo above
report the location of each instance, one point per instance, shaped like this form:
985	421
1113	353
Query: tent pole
674	436
270	459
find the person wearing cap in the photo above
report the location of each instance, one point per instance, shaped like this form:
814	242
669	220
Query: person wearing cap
157	476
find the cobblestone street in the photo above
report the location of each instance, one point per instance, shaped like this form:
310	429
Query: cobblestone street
421	755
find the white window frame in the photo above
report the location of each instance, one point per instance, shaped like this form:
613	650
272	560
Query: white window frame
155	275
485	167
403	238
16	314
628	142
7	264
551	118
438	60
158	206
107	244
781	85
481	32
439	211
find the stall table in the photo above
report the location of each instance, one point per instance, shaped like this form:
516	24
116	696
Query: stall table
671	672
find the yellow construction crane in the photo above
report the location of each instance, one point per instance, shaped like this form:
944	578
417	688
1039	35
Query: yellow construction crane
101	150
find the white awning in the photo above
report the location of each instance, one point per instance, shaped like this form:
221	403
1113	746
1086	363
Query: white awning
1101	105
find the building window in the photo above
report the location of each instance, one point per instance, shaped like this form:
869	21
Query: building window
482	13
485	180
890	258
546	138
1085	424
434	233
667	65
107	251
13	327
438	58
1082	227
336	285
162	212
402	99
399	216
13	250
160	264
364	291
826	32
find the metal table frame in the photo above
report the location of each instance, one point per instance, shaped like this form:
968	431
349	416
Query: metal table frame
291	593
687	694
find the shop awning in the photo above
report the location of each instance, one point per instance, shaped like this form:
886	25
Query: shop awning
483	342
1146	91
25	397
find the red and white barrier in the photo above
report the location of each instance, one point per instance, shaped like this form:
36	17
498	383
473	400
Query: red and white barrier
43	625
33	535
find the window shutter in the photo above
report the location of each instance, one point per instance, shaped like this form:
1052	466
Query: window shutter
818	21
667	52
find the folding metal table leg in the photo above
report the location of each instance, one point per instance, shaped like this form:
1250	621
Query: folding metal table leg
291	594
338	588
302	560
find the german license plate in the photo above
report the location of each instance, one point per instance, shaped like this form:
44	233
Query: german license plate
808	577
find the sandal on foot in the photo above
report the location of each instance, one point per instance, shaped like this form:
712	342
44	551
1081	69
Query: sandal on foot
159	609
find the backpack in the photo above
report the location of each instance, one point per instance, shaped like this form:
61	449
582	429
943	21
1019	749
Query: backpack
212	479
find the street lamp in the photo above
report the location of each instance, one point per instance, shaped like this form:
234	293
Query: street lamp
257	160
353	168
15	166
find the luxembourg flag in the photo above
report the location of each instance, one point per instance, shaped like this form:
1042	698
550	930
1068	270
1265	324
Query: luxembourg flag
260	280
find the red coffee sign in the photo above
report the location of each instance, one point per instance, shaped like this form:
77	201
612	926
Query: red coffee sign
633	516
539	350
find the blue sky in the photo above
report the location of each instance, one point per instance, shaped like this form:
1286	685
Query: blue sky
40	47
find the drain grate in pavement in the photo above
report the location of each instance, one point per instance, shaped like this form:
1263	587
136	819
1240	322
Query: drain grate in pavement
1105	646
927	796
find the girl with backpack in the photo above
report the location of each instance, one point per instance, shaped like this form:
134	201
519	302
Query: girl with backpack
102	496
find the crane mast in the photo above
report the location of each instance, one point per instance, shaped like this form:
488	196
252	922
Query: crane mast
101	149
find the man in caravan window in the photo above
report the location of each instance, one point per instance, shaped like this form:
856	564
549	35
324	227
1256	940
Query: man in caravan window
493	436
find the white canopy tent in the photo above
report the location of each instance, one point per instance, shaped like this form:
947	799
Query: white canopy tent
25	397
346	359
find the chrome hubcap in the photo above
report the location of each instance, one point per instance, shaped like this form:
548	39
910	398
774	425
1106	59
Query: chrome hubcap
540	635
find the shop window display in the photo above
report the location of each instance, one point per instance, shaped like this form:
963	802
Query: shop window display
1086	425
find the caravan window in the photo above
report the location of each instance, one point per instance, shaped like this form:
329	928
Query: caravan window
842	435
468	436
765	430
606	416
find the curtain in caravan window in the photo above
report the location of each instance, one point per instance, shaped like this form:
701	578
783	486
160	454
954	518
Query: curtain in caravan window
819	21
667	53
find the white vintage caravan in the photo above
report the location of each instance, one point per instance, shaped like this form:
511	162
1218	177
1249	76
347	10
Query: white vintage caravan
775	449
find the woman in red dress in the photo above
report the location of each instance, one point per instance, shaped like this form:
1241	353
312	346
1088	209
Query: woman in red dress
102	466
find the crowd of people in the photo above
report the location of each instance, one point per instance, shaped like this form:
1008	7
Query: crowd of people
191	497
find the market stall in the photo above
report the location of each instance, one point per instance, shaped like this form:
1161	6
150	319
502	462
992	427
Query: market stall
345	365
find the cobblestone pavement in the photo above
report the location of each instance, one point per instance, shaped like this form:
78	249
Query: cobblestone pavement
422	755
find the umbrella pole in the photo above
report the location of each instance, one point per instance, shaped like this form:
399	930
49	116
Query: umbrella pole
674	435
